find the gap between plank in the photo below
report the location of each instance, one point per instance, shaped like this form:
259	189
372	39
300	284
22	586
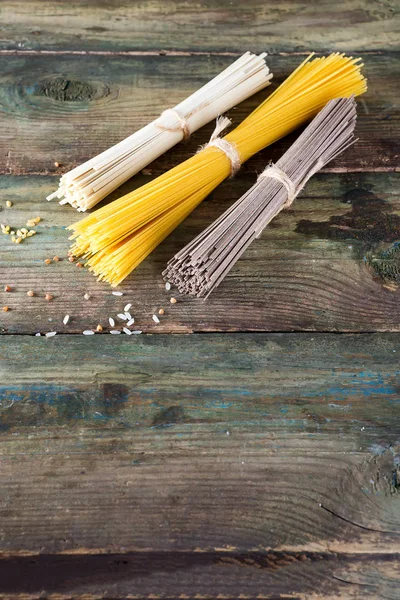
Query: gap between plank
217	332
21	52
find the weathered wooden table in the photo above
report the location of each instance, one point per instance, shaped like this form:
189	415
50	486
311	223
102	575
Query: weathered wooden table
259	456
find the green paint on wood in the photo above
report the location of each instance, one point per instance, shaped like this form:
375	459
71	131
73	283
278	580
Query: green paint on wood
386	263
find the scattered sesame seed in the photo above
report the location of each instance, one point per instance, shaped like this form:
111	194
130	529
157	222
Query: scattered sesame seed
57	164
56	259
51	333
156	319
66	319
117	293
31	293
122	316
99	327
79	265
127	331
7	288
86	296
168	286
9	204
38	334
88	332
173	300
48	297
111	321
115	331
130	322
6	308
47	261
127	307
161	311
137	331
71	259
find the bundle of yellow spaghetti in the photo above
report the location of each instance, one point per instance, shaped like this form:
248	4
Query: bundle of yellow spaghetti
116	238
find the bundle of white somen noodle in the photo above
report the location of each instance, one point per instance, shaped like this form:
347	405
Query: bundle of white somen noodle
201	266
87	184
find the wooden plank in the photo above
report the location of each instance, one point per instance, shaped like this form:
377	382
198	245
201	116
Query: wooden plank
221	575
69	109
235	464
307	272
206	25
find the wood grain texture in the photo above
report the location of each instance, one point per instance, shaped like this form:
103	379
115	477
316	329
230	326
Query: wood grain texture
202	575
203	25
70	109
235	464
307	272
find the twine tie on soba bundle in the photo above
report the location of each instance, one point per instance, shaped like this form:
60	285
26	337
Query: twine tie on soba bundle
293	191
276	173
182	122
226	147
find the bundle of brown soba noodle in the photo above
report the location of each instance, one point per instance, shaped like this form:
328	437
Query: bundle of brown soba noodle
201	266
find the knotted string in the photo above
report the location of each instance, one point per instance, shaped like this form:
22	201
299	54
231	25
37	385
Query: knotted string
182	122
226	147
275	172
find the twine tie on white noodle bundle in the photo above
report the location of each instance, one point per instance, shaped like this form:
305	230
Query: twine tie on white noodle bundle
181	126
226	147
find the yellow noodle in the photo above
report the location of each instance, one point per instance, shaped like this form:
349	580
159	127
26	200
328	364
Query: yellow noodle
117	237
